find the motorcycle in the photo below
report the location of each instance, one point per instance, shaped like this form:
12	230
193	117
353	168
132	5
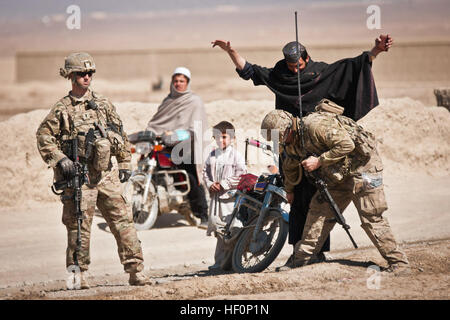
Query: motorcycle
157	186
260	207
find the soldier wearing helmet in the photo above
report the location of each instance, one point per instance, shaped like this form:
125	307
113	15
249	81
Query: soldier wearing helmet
345	156
73	117
77	62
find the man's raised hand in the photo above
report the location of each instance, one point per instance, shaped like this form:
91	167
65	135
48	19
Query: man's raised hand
238	61
384	42
224	45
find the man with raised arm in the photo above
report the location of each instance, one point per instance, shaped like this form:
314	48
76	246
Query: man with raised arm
347	82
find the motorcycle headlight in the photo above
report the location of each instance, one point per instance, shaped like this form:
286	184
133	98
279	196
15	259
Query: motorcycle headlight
175	137
143	147
182	134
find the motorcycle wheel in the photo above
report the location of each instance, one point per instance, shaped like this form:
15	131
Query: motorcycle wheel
146	218
271	239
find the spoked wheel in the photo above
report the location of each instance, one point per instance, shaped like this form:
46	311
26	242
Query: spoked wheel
143	219
256	256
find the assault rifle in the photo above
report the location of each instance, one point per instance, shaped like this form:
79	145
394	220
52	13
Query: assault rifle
326	196
76	182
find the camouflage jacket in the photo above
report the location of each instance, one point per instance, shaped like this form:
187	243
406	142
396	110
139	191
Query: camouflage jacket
71	116
327	138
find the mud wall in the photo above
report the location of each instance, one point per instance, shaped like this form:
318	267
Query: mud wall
404	62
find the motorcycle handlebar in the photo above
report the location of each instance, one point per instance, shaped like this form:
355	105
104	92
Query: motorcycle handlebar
259	144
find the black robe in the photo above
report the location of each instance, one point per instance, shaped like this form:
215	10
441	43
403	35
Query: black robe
348	82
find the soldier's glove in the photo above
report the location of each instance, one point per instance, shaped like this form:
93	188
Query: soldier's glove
124	175
67	167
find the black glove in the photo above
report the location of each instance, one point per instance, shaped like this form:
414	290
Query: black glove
67	167
124	175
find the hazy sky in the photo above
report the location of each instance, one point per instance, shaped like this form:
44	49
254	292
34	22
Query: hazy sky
142	24
31	8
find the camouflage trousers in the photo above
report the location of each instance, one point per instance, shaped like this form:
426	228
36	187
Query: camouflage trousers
366	192
106	195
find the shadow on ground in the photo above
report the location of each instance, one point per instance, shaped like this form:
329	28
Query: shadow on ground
167	220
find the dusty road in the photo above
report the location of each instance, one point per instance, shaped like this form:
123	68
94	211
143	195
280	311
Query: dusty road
33	240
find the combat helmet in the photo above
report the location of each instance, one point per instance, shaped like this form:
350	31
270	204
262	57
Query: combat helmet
77	62
276	120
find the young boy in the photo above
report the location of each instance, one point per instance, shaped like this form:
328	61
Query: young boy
221	173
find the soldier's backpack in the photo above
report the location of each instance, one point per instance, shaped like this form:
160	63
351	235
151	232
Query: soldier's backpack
365	141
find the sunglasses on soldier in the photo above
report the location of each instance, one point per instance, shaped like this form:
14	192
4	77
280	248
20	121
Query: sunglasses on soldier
83	74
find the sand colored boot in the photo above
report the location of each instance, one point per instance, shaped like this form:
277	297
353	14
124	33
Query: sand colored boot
138	279
77	281
292	263
84	283
397	269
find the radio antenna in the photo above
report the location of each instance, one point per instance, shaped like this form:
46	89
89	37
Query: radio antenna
298	84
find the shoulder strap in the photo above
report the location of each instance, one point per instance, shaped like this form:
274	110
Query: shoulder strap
66	124
66	101
100	115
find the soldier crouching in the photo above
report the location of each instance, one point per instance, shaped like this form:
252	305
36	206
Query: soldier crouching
91	120
345	156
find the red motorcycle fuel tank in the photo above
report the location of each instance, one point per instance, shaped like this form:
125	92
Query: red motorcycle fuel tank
164	160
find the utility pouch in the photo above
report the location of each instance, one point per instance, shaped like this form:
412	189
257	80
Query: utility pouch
81	137
335	173
116	140
329	106
88	199
102	154
332	174
372	180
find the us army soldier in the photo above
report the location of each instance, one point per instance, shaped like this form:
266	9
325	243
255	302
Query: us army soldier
71	118
346	157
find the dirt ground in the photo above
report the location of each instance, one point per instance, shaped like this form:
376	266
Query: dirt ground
347	275
177	255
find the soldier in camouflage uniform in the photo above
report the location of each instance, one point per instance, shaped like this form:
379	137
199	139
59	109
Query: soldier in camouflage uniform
345	156
72	117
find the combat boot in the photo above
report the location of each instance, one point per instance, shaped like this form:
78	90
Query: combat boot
138	279
397	269
292	263
84	283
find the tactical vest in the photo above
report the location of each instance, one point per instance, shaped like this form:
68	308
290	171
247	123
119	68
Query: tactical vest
84	119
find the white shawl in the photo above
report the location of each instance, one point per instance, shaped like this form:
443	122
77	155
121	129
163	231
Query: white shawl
182	110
